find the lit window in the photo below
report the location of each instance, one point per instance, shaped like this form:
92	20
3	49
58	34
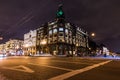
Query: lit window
54	26
52	23
60	29
66	30
50	32
54	30
67	25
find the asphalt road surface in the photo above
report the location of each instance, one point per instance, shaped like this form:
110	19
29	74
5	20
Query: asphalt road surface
58	68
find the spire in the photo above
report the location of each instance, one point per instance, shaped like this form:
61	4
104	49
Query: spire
60	13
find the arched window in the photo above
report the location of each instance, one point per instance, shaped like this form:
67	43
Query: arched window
54	30
66	30
50	32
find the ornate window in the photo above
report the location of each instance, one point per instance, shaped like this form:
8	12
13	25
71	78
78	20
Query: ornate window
60	29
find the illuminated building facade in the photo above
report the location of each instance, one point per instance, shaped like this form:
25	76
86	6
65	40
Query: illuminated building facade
12	47
60	37
2	48
30	42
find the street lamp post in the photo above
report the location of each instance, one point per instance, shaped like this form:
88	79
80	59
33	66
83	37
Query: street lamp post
93	44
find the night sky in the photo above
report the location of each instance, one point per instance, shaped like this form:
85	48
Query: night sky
17	17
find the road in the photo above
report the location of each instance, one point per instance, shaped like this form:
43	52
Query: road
58	68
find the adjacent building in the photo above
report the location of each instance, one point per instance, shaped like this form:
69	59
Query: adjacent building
12	47
30	43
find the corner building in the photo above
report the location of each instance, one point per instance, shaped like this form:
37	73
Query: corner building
60	37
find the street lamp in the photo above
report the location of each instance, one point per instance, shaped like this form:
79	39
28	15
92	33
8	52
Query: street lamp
93	34
1	38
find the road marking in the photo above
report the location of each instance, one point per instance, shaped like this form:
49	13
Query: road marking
2	77
75	72
20	68
52	67
73	62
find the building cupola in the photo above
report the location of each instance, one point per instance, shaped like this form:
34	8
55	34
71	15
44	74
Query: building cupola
60	13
